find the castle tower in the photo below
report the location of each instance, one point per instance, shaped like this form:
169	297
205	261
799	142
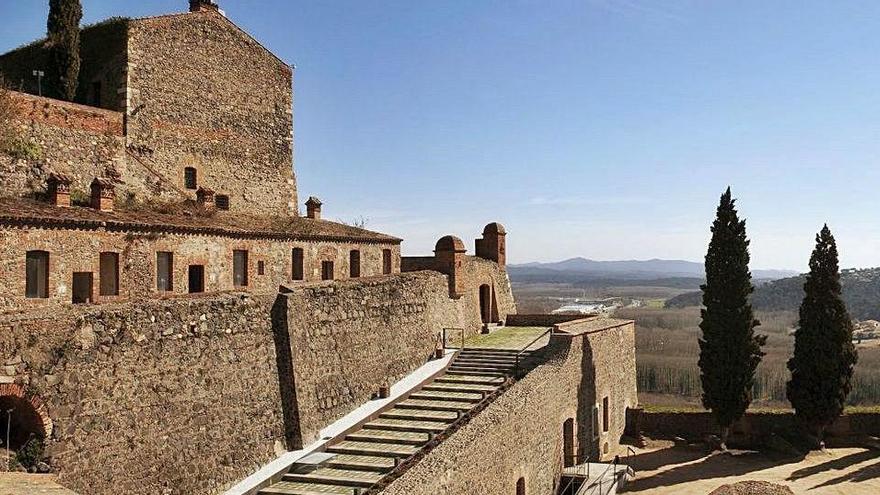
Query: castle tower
449	253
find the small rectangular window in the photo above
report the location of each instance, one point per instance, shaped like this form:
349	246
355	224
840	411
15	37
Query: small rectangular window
37	274
109	269
386	261
240	268
190	180
164	271
196	279
354	263
297	264
326	270
261	268
605	414
221	201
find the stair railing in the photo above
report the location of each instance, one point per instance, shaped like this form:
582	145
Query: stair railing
516	366
445	337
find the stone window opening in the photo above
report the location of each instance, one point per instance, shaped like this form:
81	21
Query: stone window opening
196	279
386	261
569	458
521	486
297	259
605	414
261	267
164	271
221	201
37	274
354	263
82	287
326	270
109	272
240	268
190	178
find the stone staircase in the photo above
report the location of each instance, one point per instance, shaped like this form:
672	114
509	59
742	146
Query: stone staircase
365	460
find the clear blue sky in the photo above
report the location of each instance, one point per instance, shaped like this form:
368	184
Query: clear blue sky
597	128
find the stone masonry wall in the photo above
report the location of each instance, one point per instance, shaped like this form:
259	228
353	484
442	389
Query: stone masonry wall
204	94
520	434
78	251
348	338
164	397
79	141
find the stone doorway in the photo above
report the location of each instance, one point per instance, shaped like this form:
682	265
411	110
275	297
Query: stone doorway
82	287
22	416
196	279
488	309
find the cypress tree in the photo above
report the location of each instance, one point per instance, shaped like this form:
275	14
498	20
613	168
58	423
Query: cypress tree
63	36
824	355
729	348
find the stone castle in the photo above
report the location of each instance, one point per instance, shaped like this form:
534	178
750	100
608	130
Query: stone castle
170	322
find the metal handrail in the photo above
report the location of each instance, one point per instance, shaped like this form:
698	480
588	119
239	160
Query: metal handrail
453	328
524	349
586	486
584	468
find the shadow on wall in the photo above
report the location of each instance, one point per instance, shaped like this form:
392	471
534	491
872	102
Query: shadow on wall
284	365
587	414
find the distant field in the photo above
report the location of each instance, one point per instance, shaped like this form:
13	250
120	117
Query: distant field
667	353
667	349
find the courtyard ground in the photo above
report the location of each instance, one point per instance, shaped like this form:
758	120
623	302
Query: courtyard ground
509	338
31	484
664	468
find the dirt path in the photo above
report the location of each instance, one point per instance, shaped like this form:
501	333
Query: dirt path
666	469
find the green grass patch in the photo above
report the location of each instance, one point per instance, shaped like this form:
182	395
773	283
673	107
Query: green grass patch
505	338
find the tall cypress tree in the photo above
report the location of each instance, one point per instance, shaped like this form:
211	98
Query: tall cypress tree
824	355
63	34
729	348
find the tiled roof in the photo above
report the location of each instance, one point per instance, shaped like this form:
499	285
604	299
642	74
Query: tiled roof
189	219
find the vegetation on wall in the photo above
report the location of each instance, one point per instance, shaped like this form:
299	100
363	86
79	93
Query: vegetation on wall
730	351
63	35
824	355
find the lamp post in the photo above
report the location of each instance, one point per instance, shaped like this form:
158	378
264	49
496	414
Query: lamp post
39	75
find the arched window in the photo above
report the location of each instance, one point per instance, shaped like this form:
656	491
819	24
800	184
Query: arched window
190	178
521	486
569	458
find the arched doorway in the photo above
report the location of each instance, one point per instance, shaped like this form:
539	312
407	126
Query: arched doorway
569	457
21	417
488	309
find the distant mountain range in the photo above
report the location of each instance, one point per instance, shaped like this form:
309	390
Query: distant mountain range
625	270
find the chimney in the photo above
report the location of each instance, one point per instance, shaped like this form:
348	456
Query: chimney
203	6
59	189
103	194
205	197
313	208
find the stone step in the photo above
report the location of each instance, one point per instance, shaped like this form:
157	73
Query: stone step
373	448
298	488
488	351
407	425
470	379
420	415
435	405
492	374
338	477
460	387
444	395
487	361
481	367
405	437
374	463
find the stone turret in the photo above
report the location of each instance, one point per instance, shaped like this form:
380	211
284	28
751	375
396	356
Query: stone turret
449	254
493	244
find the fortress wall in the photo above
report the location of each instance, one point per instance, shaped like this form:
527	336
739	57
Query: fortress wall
80	141
177	396
348	338
79	251
520	435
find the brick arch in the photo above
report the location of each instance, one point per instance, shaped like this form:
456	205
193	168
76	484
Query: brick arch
36	416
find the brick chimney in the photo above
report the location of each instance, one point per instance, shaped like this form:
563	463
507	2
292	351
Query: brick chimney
103	194
313	208
205	197
59	189
203	5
